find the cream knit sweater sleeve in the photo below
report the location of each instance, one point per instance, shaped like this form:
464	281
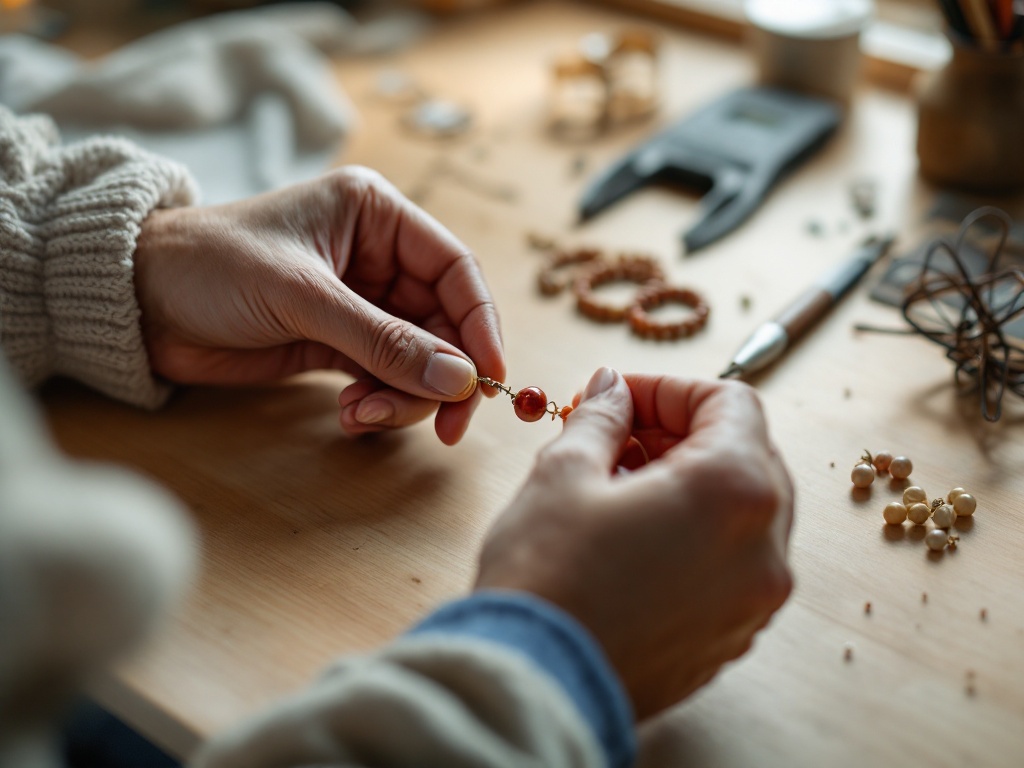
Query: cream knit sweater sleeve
69	220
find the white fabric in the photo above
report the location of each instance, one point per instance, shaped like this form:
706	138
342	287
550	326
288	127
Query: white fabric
246	100
90	559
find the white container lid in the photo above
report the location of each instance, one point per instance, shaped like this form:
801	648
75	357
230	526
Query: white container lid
816	19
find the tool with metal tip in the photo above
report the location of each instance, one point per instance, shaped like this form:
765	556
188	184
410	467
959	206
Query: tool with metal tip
737	148
772	338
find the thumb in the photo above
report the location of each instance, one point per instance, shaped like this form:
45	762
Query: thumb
599	426
401	354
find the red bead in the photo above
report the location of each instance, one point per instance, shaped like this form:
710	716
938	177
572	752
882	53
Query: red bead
564	413
531	403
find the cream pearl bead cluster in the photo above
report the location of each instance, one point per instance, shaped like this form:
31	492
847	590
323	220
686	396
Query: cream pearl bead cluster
864	471
943	514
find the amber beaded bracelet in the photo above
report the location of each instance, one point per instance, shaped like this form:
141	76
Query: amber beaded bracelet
642	270
593	270
553	279
644	325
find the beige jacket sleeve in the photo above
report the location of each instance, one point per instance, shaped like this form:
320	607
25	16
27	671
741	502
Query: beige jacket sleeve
422	701
69	220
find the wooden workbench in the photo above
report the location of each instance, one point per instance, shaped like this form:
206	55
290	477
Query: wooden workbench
315	545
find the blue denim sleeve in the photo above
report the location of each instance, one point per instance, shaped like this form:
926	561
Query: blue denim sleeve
560	646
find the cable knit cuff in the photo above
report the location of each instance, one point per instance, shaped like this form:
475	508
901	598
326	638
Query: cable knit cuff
71	217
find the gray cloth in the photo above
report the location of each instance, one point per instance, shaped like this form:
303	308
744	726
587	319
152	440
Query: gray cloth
246	100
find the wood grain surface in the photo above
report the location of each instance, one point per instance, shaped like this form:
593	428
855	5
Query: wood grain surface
315	545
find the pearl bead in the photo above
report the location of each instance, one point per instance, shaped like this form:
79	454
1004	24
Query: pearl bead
895	513
913	495
900	468
530	403
862	475
964	505
936	539
954	493
944	516
919	513
882	460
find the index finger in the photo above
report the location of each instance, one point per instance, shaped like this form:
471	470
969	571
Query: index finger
393	228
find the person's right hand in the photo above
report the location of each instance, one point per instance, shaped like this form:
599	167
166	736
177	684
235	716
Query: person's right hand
673	567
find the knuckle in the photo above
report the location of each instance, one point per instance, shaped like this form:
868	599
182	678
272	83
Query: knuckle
390	346
777	586
771	585
745	484
743	392
357	180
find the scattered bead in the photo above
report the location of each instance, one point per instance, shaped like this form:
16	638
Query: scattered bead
924	597
984	614
913	495
867	607
900	468
564	413
882	461
919	513
530	403
936	539
964	505
862	475
944	516
954	493
895	513
848	652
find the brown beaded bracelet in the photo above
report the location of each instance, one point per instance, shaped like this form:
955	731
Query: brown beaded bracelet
553	279
641	270
644	325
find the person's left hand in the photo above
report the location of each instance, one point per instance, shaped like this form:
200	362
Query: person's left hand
338	273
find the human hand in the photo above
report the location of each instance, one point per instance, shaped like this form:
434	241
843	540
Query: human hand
338	273
673	567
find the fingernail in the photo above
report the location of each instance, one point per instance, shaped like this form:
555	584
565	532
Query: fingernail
600	382
449	375
374	411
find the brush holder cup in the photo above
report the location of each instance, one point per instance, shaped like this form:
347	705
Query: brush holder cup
970	131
